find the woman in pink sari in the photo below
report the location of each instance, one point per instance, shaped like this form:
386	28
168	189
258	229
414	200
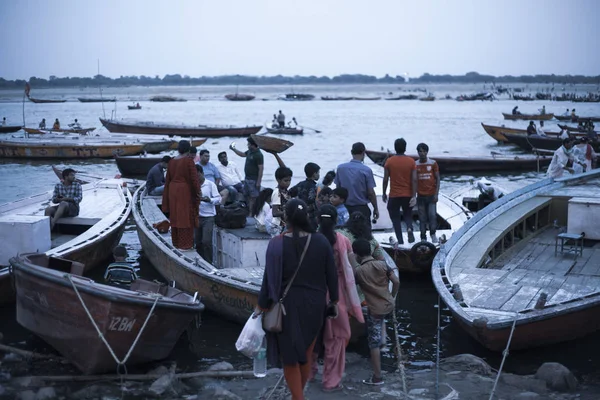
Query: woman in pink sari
336	332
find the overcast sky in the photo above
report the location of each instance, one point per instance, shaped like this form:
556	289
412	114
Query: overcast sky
297	37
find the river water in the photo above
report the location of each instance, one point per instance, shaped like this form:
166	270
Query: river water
447	126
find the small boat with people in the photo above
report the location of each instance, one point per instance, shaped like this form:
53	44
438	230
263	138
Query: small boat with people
494	162
10	128
96	325
38	131
87	238
529	117
151	128
525	271
136	106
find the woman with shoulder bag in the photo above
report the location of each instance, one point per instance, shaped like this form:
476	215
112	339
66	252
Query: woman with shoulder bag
300	268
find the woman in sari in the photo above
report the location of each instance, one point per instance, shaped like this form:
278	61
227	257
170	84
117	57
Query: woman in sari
336	332
181	197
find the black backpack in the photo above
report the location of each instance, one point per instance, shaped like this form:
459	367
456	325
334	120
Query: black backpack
232	216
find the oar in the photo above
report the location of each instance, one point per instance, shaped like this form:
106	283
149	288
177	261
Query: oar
307	127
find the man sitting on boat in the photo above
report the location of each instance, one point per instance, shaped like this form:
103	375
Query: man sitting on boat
231	178
515	111
531	129
56	125
274	123
155	181
489	192
42	124
75	124
67	194
120	273
540	130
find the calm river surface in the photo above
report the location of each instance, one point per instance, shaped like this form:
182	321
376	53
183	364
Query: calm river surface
447	126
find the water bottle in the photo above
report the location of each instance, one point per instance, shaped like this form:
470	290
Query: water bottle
260	361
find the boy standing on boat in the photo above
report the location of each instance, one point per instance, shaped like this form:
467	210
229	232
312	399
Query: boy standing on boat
428	189
67	194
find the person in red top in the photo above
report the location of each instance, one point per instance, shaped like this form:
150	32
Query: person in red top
401	171
428	189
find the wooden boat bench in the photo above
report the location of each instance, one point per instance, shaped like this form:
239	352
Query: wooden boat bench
571	243
474	252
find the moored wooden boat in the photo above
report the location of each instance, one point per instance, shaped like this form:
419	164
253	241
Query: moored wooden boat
336	98
150	128
494	162
56	149
239	97
53	297
570	129
10	128
530	142
167	99
138	107
508	266
136	166
297	130
96	99
404	97
367	98
298	97
43	101
37	131
576	118
530	117
428	98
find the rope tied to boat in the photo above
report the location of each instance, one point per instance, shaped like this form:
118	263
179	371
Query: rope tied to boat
437	349
399	356
504	355
110	350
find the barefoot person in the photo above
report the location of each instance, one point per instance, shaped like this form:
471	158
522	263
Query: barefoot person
67	195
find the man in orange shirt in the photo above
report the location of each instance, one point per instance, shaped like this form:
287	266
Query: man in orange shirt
401	170
428	188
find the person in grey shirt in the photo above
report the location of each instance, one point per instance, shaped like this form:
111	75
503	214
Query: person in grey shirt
155	181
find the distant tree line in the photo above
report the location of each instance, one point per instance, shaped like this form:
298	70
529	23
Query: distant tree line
179	80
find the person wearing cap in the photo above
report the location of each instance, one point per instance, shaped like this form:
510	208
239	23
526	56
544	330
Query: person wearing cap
155	181
358	179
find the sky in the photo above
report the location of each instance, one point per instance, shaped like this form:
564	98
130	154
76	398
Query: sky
298	37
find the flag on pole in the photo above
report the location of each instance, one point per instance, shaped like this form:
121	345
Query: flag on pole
27	89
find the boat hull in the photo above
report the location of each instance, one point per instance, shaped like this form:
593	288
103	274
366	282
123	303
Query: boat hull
179	130
529	117
286	131
7	291
48	306
10	128
95	100
136	167
36	131
66	151
43	101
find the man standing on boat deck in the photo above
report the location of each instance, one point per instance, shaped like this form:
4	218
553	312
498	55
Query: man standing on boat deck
42	124
231	178
67	194
401	171
281	120
155	181
561	159
253	170
428	189
209	198
358	179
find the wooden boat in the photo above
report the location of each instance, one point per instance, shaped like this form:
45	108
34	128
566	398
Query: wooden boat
134	107
167	99
529	117
43	101
572	129
88	238
53	299
428	98
49	149
36	131
416	257
468	195
136	166
96	100
528	143
150	128
510	265
576	119
367	98
404	97
239	97
298	97
493	162
10	128
288	130
229	284
336	98
7	290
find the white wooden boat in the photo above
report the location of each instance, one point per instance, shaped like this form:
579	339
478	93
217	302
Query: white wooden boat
88	238
517	261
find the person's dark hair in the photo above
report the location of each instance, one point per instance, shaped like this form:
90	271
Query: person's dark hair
327	218
296	213
326	191
358	148
120	251
283	172
166	159
223	153
310	169
565	141
260	201
328	178
183	146
293	192
422	146
359	226
530	122
341	192
400	145
361	247
199	169
67	171
193	150
204	151
252	142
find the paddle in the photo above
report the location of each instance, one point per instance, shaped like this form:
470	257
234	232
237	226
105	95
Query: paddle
307	127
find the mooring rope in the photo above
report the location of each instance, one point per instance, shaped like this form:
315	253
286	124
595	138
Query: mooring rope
110	350
437	350
399	355
504	355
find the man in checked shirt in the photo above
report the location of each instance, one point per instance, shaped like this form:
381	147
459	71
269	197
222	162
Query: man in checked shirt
67	195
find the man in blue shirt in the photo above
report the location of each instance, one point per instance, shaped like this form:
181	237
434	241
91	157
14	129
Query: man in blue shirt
211	172
358	179
155	180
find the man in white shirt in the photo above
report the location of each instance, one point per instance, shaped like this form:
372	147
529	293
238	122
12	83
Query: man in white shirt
489	192
540	129
209	198
231	179
560	160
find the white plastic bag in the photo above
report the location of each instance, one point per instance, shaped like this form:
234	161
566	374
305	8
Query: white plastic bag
251	338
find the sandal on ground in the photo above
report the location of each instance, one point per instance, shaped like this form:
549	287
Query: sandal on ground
373	381
334	389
